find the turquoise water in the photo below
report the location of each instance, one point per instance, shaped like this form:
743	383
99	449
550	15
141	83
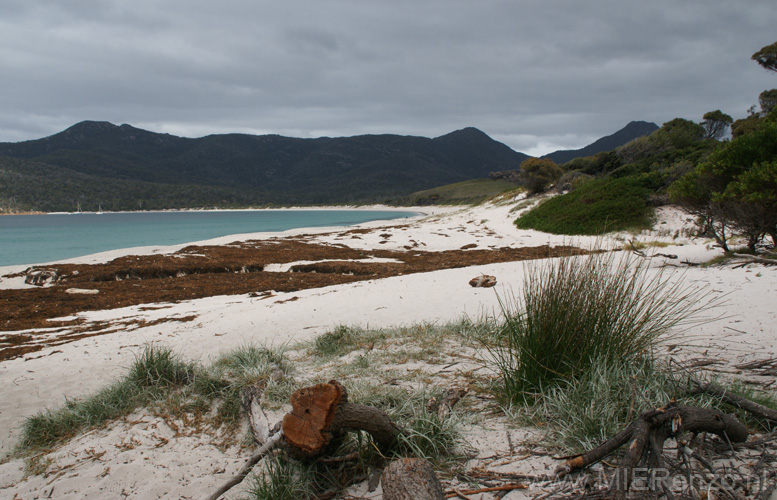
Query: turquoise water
33	239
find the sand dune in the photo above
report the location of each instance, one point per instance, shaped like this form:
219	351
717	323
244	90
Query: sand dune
141	457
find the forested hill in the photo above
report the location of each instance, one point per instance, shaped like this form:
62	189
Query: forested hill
98	164
628	133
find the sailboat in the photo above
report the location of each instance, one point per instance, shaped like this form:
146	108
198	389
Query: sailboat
100	210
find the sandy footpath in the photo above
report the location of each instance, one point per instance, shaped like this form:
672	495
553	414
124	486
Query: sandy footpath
158	463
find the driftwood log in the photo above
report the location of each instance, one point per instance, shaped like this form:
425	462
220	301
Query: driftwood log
411	479
319	414
322	411
646	436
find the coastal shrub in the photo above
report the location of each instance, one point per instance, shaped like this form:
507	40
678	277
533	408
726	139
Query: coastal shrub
578	312
538	174
595	207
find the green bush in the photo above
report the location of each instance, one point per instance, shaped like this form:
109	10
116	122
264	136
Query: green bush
538	174
594	208
581	311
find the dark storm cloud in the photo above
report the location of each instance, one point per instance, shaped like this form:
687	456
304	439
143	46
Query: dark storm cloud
538	75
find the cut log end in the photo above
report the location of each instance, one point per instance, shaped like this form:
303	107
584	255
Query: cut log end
307	426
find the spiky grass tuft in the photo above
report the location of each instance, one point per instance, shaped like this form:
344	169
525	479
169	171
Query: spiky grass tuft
580	311
592	408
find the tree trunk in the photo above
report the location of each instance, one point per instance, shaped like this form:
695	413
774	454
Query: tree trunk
410	479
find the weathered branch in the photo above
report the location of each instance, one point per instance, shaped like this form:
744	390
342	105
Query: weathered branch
598	453
752	407
260	427
268	446
647	434
504	487
756	259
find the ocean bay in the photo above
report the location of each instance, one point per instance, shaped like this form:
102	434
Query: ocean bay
40	238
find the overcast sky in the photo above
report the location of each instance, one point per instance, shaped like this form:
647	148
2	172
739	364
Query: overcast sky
538	75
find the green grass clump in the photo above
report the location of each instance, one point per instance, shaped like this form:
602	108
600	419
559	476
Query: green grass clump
580	311
594	208
159	367
282	479
340	341
158	378
423	339
246	366
153	370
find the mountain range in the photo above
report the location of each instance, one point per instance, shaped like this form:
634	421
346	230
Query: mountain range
120	167
608	143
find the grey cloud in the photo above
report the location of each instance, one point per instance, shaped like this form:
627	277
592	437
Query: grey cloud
531	73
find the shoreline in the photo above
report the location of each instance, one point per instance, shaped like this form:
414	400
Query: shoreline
386	208
103	256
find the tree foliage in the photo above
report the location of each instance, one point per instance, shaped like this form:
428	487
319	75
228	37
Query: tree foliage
736	187
768	100
671	139
538	174
716	123
767	57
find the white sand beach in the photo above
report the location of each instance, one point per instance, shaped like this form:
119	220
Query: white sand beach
142	457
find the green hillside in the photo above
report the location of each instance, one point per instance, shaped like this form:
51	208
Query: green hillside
460	193
124	168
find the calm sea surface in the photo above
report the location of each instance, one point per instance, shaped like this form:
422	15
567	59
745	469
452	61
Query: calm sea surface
32	239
